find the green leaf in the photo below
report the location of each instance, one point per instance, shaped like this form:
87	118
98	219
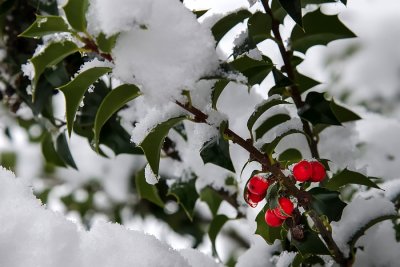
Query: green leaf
270	234
63	151
269	148
224	25
343	114
75	90
254	70
261	109
270	123
305	83
186	195
112	135
320	29
200	13
346	177
216	151
106	44
212	198
317	110
259	26
44	25
327	202
293	8
281	84
147	191
215	227
152	143
113	102
366	225
219	86
311	244
52	54
49	152
290	156
75	11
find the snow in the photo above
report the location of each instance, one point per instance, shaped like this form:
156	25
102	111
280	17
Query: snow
284	259
93	64
31	235
355	215
151	178
28	70
153	116
259	254
185	55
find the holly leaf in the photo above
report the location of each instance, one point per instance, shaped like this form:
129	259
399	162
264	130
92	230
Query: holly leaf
113	102
269	148
75	90
327	202
106	44
317	110
293	8
212	198
44	25
319	29
215	227
342	113
366	225
63	151
153	142
216	151
270	123
255	70
146	190
310	244
259	26
261	109
75	11
224	25
217	90
290	156
346	177
51	55
186	195
49	152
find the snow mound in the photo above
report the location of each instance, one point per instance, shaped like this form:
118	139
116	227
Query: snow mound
31	235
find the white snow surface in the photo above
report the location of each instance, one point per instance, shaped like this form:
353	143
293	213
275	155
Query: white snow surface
355	215
160	46
31	235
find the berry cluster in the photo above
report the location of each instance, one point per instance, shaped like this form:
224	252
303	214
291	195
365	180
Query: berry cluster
257	188
312	171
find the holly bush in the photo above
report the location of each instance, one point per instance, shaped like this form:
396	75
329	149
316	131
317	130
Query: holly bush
103	78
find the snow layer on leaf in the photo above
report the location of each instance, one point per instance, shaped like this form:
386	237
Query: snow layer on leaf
30	235
259	254
153	116
112	17
93	64
168	54
284	259
197	259
151	178
356	215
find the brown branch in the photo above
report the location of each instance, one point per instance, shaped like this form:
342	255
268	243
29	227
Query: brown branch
312	139
294	89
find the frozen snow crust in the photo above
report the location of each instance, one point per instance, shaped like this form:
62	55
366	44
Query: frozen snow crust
31	235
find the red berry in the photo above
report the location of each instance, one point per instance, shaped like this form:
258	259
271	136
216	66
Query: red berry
278	213
272	220
253	199
318	171
258	185
286	206
302	171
